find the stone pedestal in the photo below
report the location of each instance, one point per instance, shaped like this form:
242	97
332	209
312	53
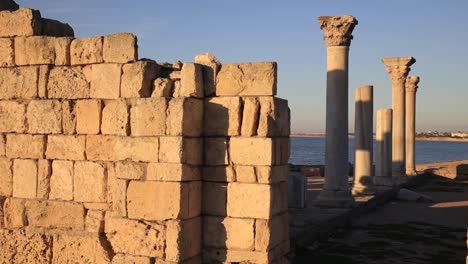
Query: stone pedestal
337	35
398	69
363	139
383	157
411	88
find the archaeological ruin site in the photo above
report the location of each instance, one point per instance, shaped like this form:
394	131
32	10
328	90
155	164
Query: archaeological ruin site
109	158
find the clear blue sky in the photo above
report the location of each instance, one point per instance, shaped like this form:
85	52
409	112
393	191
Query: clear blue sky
434	32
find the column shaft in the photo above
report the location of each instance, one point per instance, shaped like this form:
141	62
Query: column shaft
398	137
411	88
383	159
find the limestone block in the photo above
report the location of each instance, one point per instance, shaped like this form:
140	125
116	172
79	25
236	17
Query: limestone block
6	177
250	116
9	5
172	172
183	239
176	88
105	81
130	170
162	87
43	78
118	191
257	78
24	178
214	198
7	58
222	116
25	146
88	116
67	82
61	181
282	150
12	116
180	150
219	174
2	145
120	48
136	237
44	116
246	174
272	174
65	147
90	182
85	249
42	50
51	27
43	178
231	233
19	82
86	51
185	117
94	221
148	117
137	78
252	151
22	22
55	214
163	200
68	117
112	148
26	247
270	233
211	67
274	117
216	151
14	213
191	80
128	259
115	118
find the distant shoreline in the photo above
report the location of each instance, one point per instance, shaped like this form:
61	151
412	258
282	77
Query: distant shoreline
317	135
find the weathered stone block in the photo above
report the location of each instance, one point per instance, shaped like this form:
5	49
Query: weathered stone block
61	181
185	117
67	82
250	116
14	213
113	148
230	233
274	117
65	147
222	116
6	177
115	118
191	80
172	172
162	87
148	117
136	237
246	174
105	81
282	150
86	51
219	174
272	174
2	145
118	191
42	50
7	57
120	48
24	178
257	78
68	117
137	78
180	150
183	239
214	198
270	233
163	200
19	82
85	249
130	170
27	247
43	178
12	116
252	151
55	214
25	146
44	71
22	22
51	27
88	116
211	67
126	259
44	116
90	182
94	221
216	151
8	5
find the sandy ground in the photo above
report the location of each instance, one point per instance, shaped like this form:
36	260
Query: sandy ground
403	232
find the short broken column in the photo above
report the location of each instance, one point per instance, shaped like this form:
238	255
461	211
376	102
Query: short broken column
336	191
411	88
363	139
398	69
383	159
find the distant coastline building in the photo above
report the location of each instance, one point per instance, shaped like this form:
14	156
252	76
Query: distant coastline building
459	134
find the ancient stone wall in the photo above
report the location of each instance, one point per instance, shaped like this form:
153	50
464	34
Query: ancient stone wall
107	158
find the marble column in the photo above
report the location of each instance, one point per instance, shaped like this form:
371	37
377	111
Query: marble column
363	139
337	35
411	88
383	148
398	69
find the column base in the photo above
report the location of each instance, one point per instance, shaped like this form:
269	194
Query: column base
397	180
386	181
334	199
363	190
411	172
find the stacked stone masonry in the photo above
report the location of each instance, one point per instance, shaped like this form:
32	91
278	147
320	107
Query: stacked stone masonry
105	158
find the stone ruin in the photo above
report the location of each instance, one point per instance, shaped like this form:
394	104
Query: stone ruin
107	158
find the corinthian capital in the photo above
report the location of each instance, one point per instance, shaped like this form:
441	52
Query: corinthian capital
398	68
412	83
338	29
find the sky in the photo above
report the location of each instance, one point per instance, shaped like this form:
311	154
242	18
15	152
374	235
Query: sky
434	32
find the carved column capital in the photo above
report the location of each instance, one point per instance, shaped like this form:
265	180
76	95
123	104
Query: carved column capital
412	83
338	29
398	68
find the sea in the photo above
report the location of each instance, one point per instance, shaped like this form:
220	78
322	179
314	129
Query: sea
311	151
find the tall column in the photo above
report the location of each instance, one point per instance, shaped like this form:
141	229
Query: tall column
337	35
398	69
383	157
411	88
363	139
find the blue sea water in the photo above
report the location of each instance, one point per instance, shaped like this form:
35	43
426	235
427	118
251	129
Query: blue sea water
311	151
